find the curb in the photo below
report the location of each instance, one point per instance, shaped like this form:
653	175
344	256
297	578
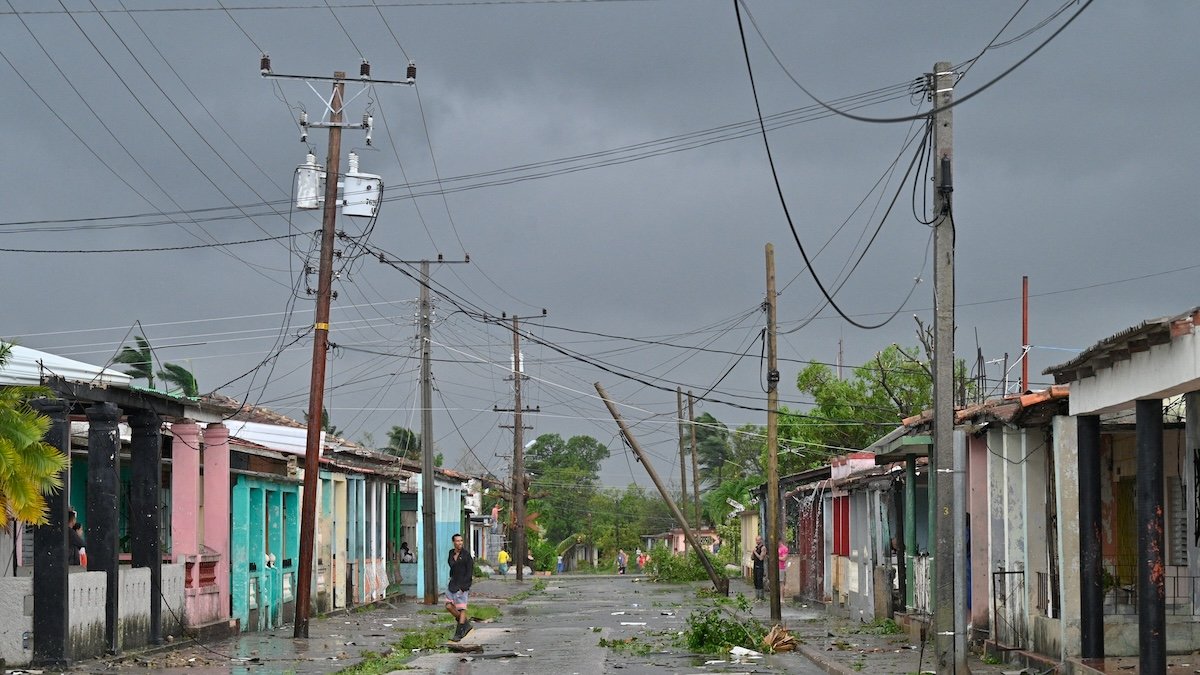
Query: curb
827	665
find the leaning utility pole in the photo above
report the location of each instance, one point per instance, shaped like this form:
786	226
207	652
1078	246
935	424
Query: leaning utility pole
695	468
683	491
720	581
361	200
949	591
428	508
773	528
316	390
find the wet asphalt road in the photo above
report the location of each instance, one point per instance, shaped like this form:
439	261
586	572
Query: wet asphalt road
555	631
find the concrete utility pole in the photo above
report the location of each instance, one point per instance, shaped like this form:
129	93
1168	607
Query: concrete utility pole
518	477
428	507
950	642
316	392
720	581
773	525
683	491
695	468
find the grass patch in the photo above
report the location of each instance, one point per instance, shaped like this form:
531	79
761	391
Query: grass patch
432	637
477	612
630	645
538	587
377	664
882	627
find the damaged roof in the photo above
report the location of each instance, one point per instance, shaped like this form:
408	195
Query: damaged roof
1123	345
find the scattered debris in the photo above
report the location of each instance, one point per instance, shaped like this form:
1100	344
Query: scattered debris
633	623
779	639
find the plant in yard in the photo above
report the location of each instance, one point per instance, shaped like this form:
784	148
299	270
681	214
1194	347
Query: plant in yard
29	467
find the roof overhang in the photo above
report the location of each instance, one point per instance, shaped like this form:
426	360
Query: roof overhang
1155	359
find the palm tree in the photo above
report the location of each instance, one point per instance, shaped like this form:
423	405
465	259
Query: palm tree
140	360
181	378
29	467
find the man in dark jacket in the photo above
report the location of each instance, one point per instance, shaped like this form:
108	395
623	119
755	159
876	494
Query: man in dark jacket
462	569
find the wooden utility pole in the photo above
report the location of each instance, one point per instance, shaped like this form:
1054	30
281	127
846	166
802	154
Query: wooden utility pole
773	525
695	468
683	491
428	506
316	391
720	581
949	641
518	476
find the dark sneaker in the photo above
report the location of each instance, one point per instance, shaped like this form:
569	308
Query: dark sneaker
466	629
458	633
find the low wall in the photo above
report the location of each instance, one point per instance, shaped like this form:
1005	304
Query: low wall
16	621
172	600
85	638
133	607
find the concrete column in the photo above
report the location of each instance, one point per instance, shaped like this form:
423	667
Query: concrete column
145	517
1191	465
1151	601
1091	581
910	528
185	490
103	502
1066	482
51	553
216	504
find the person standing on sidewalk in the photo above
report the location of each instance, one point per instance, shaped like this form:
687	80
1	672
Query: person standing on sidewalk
462	569
502	558
759	556
622	561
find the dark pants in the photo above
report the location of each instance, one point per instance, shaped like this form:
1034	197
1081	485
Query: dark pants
759	574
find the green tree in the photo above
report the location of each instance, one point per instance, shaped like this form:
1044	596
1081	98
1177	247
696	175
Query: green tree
578	452
29	468
563	483
746	447
851	414
326	426
181	378
404	442
139	360
712	448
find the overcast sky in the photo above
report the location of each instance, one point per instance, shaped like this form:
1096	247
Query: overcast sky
1078	170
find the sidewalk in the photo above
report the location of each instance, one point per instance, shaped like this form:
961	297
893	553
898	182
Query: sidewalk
843	646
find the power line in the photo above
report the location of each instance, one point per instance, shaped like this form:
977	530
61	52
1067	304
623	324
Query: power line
218	244
904	118
787	214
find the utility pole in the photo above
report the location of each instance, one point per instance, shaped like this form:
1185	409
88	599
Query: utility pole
695	468
683	491
720	581
428	508
358	204
1025	334
949	591
773	528
316	390
518	468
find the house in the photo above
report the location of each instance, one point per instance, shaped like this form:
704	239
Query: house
1134	493
79	613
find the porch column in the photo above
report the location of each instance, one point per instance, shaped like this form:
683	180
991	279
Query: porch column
51	573
910	527
1152	614
216	504
1192	482
1091	581
103	504
185	491
145	517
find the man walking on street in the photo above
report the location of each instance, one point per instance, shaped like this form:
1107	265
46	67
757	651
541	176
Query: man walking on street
759	557
462	568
